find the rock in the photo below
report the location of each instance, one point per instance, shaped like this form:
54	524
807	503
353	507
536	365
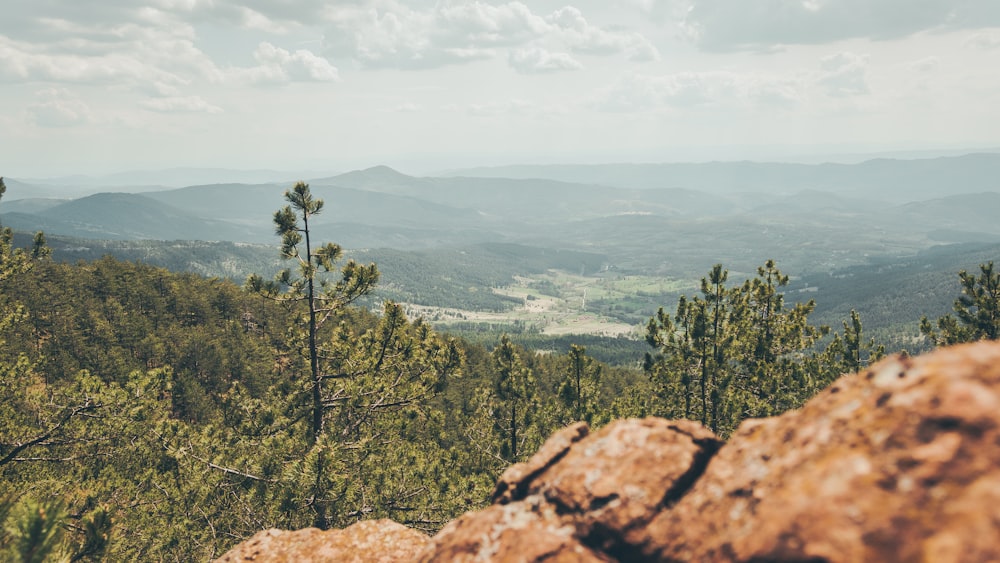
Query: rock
372	540
524	531
901	463
582	495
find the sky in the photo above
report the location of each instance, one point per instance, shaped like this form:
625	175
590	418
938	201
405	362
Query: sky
112	85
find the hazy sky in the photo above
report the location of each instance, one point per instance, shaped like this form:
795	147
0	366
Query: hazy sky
108	85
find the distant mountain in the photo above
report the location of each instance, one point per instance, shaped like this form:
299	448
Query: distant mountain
254	206
30	205
147	180
124	216
975	212
19	189
379	178
898	180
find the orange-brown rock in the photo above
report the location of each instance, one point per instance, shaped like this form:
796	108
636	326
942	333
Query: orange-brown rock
582	496
901	463
373	540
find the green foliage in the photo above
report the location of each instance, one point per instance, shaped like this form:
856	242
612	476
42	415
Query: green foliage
851	353
34	531
732	353
977	309
579	393
514	391
323	299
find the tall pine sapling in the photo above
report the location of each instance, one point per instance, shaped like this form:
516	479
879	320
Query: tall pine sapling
308	285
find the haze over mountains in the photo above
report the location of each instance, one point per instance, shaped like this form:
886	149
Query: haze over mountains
643	217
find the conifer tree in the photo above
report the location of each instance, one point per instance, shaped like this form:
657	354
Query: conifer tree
977	309
511	402
322	298
578	391
716	295
741	351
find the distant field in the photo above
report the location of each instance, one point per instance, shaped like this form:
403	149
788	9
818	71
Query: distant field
560	303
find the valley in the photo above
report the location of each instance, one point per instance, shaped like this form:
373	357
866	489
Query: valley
562	250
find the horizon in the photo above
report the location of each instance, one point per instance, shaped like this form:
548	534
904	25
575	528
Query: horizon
472	83
116	178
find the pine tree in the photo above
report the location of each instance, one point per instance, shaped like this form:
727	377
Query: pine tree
511	400
977	308
740	352
322	299
579	389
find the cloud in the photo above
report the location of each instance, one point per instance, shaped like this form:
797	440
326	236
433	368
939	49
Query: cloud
985	41
278	66
844	74
536	60
583	37
57	107
658	10
481	24
20	62
727	25
180	104
387	33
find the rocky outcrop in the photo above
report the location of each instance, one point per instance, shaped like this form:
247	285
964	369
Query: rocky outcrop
582	497
373	540
900	463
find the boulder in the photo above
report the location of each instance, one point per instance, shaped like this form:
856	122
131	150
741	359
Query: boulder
372	540
583	496
898	463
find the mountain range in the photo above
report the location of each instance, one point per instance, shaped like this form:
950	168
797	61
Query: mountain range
655	218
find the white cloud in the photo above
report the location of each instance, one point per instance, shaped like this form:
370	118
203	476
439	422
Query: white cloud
584	37
180	104
844	74
725	25
57	107
658	10
536	60
21	62
984	40
481	24
387	33
278	65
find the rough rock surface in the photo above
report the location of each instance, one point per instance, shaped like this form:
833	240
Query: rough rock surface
900	463
373	540
582	496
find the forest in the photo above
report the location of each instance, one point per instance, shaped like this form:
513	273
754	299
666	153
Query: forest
157	415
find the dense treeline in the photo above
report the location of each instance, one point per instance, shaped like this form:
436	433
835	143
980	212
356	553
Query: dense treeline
150	415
